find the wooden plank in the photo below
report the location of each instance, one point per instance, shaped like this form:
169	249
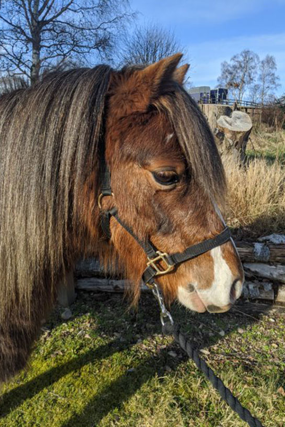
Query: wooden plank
97	284
261	252
274	273
89	268
258	291
262	291
252	308
281	294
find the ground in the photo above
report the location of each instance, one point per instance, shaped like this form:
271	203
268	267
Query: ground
110	366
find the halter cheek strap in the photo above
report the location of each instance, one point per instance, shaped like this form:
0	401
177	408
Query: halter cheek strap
158	263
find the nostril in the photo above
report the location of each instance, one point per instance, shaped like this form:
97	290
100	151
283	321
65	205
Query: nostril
190	288
235	290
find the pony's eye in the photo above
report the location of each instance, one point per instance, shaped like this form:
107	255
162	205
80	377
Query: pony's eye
166	177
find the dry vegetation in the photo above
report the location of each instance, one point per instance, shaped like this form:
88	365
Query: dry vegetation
257	193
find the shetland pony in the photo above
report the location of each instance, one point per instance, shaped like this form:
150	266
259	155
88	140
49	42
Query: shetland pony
167	181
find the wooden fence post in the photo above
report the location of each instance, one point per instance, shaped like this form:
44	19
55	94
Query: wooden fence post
66	292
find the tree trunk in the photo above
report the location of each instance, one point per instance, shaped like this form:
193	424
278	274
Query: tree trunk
36	44
35	68
232	135
213	112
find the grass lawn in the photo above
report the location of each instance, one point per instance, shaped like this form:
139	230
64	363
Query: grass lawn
269	146
109	366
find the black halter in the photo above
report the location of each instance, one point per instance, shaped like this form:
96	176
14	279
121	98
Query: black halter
158	262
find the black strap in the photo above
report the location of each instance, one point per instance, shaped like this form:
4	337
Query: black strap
150	250
174	259
146	245
105	217
201	248
149	275
106	189
189	253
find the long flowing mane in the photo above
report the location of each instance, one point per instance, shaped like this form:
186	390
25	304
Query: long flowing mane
50	138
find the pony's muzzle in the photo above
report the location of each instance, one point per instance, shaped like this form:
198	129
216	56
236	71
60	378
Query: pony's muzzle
235	292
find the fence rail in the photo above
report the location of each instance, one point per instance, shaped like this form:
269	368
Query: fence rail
231	102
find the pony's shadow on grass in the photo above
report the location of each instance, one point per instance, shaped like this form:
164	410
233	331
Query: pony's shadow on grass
119	391
14	398
112	396
10	400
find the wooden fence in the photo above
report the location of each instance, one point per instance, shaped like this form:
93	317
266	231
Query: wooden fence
263	262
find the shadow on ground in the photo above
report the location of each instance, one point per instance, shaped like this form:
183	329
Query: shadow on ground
205	330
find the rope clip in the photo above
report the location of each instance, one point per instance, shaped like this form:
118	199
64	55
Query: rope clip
165	316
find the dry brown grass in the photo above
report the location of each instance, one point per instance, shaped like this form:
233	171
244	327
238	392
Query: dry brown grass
256	197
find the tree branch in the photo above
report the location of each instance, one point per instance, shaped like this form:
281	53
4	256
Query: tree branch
59	13
16	27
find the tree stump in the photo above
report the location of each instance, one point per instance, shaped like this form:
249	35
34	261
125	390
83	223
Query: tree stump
213	112
232	135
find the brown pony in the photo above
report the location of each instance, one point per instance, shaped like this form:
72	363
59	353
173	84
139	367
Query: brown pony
166	176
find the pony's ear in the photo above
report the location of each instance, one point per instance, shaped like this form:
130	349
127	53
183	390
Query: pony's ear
179	73
134	90
157	75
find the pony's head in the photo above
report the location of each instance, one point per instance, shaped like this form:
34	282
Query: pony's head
168	181
166	176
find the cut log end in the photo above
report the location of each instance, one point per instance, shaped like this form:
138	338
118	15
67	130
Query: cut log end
238	122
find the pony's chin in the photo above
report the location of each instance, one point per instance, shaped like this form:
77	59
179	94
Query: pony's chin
190	300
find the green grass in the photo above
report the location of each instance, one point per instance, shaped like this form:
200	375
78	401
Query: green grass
268	146
270	156
108	366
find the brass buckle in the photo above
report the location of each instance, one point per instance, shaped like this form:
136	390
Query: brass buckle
101	195
161	257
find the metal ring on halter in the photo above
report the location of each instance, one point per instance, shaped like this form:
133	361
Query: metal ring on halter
101	195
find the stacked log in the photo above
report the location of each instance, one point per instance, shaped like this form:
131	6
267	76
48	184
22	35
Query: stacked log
264	266
263	262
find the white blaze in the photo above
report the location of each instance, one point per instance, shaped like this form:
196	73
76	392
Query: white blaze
168	138
219	293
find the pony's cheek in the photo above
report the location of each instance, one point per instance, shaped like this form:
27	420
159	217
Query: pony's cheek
190	300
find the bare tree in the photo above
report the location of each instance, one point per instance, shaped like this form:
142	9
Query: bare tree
149	44
239	74
268	80
281	101
254	93
36	34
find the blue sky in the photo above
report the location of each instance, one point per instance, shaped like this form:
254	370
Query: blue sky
213	31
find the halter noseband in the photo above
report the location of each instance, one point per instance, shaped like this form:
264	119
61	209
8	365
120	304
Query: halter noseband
158	262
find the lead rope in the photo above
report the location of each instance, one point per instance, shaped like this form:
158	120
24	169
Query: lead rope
169	327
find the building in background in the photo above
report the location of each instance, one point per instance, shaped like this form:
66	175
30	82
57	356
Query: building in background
206	95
